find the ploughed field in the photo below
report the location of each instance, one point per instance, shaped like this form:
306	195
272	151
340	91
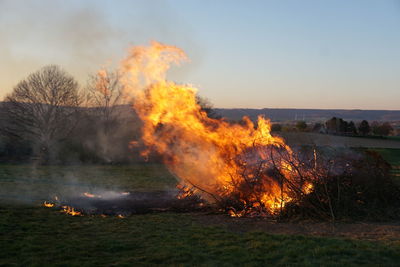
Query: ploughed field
31	234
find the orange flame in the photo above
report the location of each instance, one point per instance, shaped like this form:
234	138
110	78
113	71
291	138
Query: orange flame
213	155
90	195
70	211
48	204
87	194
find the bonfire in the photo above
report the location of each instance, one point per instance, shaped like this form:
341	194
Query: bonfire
223	162
239	168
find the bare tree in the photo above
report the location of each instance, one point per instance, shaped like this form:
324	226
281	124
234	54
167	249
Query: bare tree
106	99
42	109
105	94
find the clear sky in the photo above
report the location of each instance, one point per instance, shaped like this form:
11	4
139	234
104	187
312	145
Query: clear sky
245	54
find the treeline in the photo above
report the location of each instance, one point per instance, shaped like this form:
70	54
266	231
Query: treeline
338	126
48	118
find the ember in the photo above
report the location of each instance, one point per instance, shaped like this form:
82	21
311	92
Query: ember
48	204
70	211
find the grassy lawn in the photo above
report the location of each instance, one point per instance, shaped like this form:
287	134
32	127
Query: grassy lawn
27	183
39	236
392	156
33	235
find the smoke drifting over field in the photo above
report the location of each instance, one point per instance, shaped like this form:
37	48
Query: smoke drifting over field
78	39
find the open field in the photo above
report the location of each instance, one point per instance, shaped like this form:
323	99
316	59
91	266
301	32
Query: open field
299	138
389	147
29	184
39	236
393	157
34	235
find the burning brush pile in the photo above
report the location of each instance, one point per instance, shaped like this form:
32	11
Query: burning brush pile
241	168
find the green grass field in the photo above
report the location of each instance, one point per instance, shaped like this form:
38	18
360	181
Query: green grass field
392	156
38	236
27	183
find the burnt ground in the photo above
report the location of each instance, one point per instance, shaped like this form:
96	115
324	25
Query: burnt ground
165	201
389	231
134	203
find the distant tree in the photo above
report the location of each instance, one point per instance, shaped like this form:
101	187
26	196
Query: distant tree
364	128
342	126
43	109
331	125
318	127
383	129
276	127
107	102
351	128
374	126
105	94
386	129
301	126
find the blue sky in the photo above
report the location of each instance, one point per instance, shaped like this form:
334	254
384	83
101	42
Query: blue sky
247	54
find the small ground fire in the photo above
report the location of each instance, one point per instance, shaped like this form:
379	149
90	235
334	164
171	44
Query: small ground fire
122	204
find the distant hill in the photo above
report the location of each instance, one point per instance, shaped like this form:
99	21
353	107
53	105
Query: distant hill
276	115
310	114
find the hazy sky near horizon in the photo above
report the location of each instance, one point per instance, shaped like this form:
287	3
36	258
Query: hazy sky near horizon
244	54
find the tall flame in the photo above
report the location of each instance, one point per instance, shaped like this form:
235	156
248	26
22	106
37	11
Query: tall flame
213	155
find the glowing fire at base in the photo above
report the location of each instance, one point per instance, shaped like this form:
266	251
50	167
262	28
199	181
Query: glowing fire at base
220	160
48	204
71	211
87	194
91	204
